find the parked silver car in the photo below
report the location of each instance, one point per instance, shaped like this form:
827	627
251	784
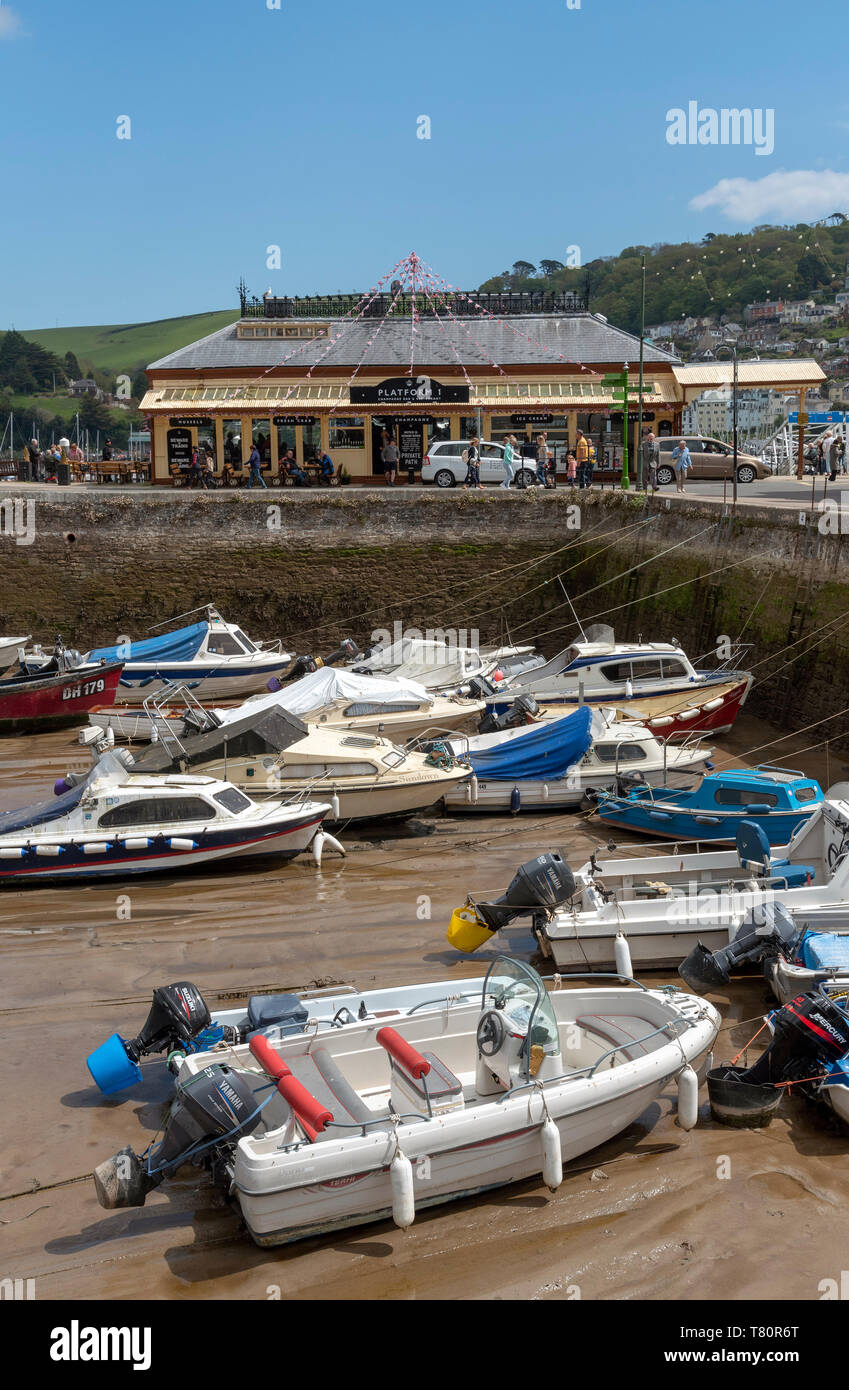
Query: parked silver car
443	464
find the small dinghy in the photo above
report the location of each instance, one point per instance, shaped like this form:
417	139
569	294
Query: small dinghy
55	696
180	1023
319	1133
776	798
9	650
111	824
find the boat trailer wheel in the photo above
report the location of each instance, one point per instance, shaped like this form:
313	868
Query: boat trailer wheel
490	1034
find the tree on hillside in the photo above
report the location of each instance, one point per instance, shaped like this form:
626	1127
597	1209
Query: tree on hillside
139	383
811	272
94	415
523	269
72	367
551	267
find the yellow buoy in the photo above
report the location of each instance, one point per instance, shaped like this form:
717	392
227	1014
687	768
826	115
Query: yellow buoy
466	932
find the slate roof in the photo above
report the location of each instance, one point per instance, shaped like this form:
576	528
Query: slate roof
517	341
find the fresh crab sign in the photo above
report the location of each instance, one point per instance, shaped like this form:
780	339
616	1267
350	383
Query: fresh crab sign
408	390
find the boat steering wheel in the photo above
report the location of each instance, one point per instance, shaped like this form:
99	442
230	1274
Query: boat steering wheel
836	853
490	1033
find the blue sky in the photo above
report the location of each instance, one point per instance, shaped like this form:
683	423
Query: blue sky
254	126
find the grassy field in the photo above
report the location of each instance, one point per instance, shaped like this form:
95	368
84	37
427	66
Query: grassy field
66	406
127	346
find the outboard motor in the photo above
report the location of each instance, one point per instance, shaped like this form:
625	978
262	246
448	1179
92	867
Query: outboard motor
521	712
305	665
481	688
538	889
810	1034
216	1105
765	933
178	1020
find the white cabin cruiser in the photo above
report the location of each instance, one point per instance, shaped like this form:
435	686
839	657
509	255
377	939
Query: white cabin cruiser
440	665
213	656
652	682
388	705
270	751
111	824
375	1121
557	763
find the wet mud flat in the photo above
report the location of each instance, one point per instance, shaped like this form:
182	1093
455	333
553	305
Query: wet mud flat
656	1213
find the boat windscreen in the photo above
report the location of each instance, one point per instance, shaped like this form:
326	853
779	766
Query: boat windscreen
41	812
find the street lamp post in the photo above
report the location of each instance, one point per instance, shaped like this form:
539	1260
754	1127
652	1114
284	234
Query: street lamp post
640	407
734	420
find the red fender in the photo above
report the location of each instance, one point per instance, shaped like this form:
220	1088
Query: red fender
312	1115
400	1050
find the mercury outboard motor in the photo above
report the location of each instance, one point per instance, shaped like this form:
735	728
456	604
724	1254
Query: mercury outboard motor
538	888
520	712
305	665
178	1020
810	1034
765	933
215	1106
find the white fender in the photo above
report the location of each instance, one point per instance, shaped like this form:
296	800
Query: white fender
323	838
403	1198
139	842
334	806
92	848
545	791
622	956
688	1098
552	1155
49	849
175	842
473	788
12	852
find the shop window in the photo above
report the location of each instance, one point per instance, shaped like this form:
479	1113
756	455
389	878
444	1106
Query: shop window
206	443
347	433
261	437
312	441
438	429
285	440
232	434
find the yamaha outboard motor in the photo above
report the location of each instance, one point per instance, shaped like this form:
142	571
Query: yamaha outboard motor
539	887
520	712
179	1019
215	1106
810	1034
765	933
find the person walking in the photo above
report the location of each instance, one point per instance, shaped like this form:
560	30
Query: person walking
822	457
650	454
509	460
255	467
582	449
389	455
681	462
542	461
472	459
834	458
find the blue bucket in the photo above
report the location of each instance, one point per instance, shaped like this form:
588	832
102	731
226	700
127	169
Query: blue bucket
111	1068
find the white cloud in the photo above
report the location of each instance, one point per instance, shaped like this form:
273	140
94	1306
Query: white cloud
800	195
10	25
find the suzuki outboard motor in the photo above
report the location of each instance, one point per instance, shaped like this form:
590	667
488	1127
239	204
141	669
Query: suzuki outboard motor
765	933
539	887
520	712
810	1034
216	1105
179	1019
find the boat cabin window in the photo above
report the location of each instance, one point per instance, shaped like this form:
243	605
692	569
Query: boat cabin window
309	771
232	799
158	810
223	644
673	667
372	707
744	796
616	671
245	641
803	794
628	752
647	668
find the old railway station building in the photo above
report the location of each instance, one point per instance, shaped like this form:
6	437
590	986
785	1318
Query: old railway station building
324	374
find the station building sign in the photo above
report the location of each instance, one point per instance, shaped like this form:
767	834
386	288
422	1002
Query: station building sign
541	418
188	421
409	390
293	419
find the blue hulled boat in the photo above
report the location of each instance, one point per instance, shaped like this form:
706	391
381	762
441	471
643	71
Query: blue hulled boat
777	798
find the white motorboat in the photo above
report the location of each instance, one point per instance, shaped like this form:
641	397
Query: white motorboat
270	751
339	698
665	904
441	665
553	764
375	1121
652	682
213	656
111	824
9	649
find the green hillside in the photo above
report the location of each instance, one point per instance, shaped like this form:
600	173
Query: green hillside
123	348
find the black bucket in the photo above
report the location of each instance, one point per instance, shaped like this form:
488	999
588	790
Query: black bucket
740	1103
